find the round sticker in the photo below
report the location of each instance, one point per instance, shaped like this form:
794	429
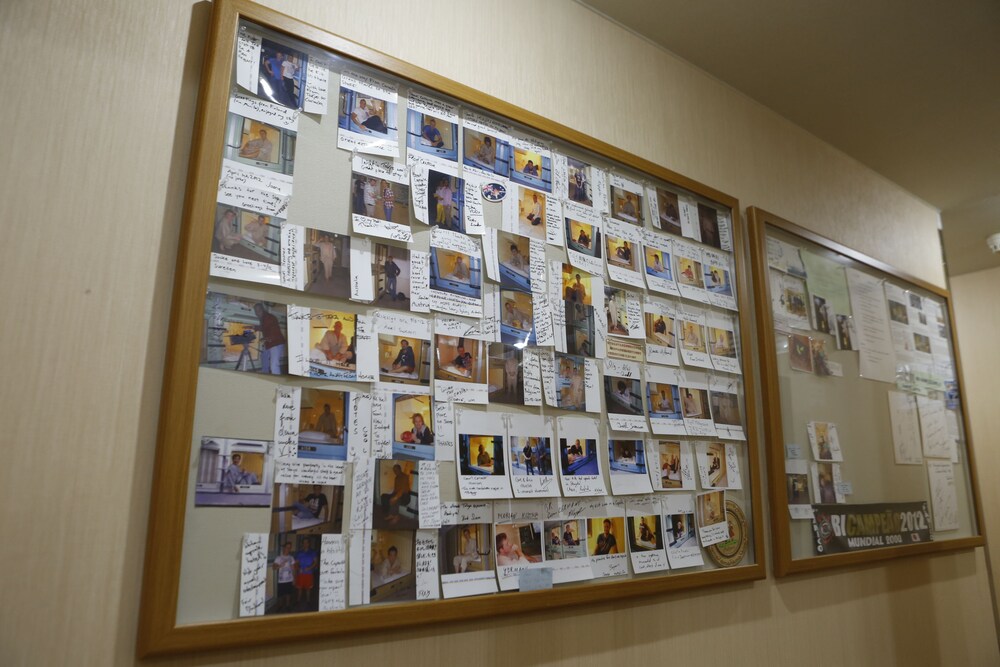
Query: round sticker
732	551
494	191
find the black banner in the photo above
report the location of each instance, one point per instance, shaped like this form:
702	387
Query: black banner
843	528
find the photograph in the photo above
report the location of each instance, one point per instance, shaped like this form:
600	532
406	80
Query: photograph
583	237
797	488
307	509
244	335
506	374
819	357
670	464
459	359
721	343
486	152
292	573
233	473
692	336
322	424
694	403
518	543
800	353
627	456
576	286
725	408
792	297
660	330
380	199
658	263
916	301
622	396
622	254
531	213
481	455
465	548
604	535
332	342
689	272
530	456
680	531
845	327
898	312
565	539
395	503
456	273
516	318
578	184
412	427
393	566
391	269
404	359
626	206
714	465
824	443
514	256
570	376
664	400
327	258
531	169
921	343
708	223
616	310
826	491
644	533
580	331
670	211
246	235
431	135
578	457
282	74
717	280
445	201
711	508
367	115
821	314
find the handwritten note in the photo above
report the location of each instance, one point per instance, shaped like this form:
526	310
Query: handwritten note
317	89
308	472
475	221
247	60
241	268
554	221
874	340
905	428
362	490
420	282
253	574
532	372
292	261
332	573
427	565
235	192
359	567
359	440
944	501
381	405
286	422
430	495
444	430
264	111
934	428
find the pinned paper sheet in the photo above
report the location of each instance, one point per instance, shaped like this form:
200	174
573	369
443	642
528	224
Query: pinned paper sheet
664	400
332	573
718	465
645	532
430	495
689	272
253	574
466	539
533	457
428	586
680	527
317	89
580	457
247	60
627	460
286	422
944	500
874	340
367	120
905	428
711	515
482	458
671	466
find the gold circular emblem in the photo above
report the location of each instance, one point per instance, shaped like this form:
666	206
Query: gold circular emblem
732	551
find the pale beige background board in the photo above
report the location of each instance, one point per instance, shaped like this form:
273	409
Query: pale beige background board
100	106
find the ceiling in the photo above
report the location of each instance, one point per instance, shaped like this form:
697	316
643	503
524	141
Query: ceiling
910	88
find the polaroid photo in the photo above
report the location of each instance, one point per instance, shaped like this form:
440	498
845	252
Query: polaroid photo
580	466
708	226
318	262
531	214
566	549
506	374
305	508
392	569
845	332
607	544
259	157
456	281
578	286
800	353
821	362
690	226
579	182
516	317
788	301
281	75
689	272
322	424
531	164
797	489
660	323
663	402
718	465
584	245
445	201
481	455
645	535
366	117
821	314
580	329
824	441
519	546
323	343
623	313
695	405
623	396
460	369
625	196
293	570
694	344
658	253
395	502
466	550
391	273
413	427
380	199
404	350
627	463
532	472
485	145
514	261
712	524
623	251
680	529
246	246
671	467
718	279
234	473
245	335
666	210
432	126
575	381
725	401
826	483
722	344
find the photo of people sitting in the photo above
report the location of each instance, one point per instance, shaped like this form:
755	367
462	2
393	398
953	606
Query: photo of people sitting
692	336
658	263
455	272
293	573
332	342
570	390
505	378
445	201
622	395
563	539
578	183
793	297
626	206
518	543
578	456
365	114
485	151
244	335
516	318
694	403
583	237
576	286
380	198
530	456
725	408
670	464
396	505
322	424
615	310
309	508
627	456
717	280
680	530
531	213
233	472
660	330
603	535
689	272
532	169
663	400
404	359
258	144
514	253
465	548
392	571
480	454
432	135
670	211
721	342
644	532
714	464
708	223
246	234
327	259
459	359
413	437
622	253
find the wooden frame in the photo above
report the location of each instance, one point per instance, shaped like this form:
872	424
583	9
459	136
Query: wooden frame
158	631
784	564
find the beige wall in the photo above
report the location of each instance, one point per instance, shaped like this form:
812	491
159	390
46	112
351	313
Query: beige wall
99	109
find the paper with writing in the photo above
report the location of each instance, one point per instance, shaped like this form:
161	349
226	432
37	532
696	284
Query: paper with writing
253	574
481	455
362	490
359	439
874	341
317	93
944	500
286	422
247	60
934	428
265	111
430	495
581	456
428	587
444	431
308	472
292	256
905	428
332	573
533	456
